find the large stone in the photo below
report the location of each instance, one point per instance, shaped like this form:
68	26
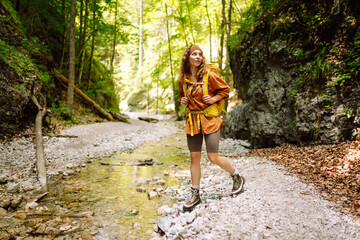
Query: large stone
42	229
28	185
165	210
16	201
13	187
3	212
164	225
152	195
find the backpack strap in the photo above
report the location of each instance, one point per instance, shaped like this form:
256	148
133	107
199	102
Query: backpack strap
187	81
205	86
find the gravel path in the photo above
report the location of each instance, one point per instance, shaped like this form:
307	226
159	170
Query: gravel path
274	205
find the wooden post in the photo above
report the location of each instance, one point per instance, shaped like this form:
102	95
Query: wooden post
40	156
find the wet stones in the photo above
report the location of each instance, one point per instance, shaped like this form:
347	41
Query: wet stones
152	195
46	230
140	189
149	186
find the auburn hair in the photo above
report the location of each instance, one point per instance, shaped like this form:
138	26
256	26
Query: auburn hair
185	66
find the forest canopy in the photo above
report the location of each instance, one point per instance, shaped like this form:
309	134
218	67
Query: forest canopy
128	49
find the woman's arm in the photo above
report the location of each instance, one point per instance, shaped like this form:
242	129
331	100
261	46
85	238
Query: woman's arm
218	89
211	100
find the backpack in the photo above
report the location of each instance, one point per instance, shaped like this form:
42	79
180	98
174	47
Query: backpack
213	110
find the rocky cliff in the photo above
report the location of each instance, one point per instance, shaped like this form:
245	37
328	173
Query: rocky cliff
18	77
296	69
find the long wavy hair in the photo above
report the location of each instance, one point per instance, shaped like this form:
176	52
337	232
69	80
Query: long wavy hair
185	66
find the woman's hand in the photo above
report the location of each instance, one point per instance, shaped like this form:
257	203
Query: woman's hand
208	100
184	101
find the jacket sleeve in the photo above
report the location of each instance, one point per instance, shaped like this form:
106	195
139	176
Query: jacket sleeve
217	86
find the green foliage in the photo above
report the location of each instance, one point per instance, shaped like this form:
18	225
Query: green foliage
136	100
293	93
19	61
299	53
61	112
14	14
352	56
318	69
346	113
325	98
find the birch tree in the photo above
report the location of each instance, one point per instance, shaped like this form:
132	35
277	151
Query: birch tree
171	64
141	51
210	33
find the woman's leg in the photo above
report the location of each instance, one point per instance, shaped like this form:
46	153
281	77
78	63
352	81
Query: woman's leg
195	169
221	162
212	147
194	144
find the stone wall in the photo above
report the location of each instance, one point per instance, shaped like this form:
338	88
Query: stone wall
275	108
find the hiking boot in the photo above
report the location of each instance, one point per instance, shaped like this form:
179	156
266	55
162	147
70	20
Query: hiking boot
193	201
238	185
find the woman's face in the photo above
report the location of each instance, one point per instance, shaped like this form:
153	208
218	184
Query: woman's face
196	58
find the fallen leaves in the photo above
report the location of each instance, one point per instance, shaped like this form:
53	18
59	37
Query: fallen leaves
333	169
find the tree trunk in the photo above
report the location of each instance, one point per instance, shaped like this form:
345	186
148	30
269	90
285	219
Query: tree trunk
40	156
141	57
70	92
63	34
184	34
157	96
222	35
191	25
228	32
79	47
85	97
208	16
92	45
171	65
81	22
83	42
114	40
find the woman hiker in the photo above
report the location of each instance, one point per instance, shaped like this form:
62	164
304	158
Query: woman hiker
198	126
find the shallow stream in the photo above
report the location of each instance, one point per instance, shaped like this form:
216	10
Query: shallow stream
125	198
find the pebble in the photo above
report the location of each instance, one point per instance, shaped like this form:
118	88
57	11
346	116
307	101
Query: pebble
31	205
3	211
137	226
152	195
140	189
4	178
16	201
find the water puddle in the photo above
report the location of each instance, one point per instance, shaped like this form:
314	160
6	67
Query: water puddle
124	191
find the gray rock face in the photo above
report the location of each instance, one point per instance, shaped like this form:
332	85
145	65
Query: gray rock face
17	108
278	106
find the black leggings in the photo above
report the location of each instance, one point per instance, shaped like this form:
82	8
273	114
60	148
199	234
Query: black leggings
211	141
